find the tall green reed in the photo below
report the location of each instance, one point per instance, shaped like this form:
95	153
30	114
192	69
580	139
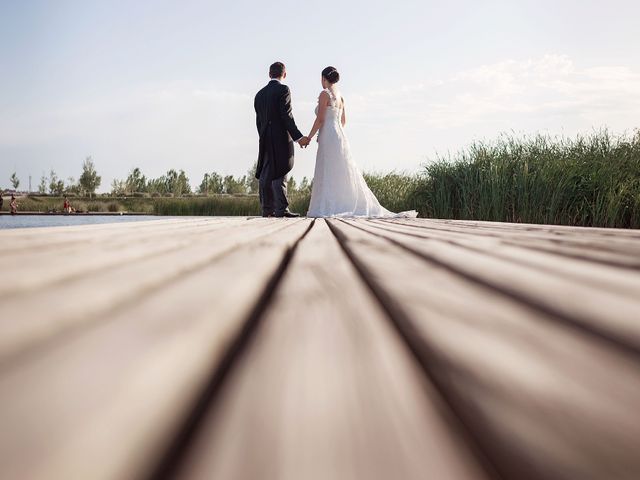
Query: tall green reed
591	180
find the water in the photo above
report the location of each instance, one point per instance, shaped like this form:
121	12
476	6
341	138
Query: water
26	221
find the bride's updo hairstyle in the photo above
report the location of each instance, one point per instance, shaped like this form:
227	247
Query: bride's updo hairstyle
331	75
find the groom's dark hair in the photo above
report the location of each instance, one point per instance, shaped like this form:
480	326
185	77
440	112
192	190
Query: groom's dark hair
276	70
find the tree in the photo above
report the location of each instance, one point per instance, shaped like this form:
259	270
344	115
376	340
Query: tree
234	186
15	181
170	181
56	186
42	188
118	187
136	181
204	184
157	185
177	182
211	183
89	180
252	183
291	185
182	184
173	182
305	186
72	186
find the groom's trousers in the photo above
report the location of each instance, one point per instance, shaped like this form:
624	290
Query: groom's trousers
273	191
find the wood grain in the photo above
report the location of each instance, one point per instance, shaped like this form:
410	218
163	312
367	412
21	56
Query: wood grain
619	251
270	348
83	299
603	276
327	390
582	305
106	402
547	402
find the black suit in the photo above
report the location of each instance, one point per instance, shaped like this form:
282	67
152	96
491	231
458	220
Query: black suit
277	130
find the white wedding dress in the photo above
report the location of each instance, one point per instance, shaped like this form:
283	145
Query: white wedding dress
339	189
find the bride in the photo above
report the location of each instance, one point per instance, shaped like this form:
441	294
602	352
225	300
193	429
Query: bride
339	189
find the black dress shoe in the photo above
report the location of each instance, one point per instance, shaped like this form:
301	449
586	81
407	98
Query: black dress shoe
287	214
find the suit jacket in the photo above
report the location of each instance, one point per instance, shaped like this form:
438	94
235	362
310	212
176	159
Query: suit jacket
276	127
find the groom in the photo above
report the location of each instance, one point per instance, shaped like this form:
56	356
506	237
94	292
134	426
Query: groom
277	130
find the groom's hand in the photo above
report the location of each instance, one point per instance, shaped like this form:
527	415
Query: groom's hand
304	141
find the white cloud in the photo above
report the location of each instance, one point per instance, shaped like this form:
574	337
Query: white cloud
548	86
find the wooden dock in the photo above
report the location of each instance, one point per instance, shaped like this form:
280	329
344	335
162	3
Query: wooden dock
250	348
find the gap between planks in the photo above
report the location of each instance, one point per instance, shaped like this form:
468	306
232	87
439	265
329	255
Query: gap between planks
326	388
581	306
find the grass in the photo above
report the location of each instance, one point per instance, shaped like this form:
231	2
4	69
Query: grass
396	191
591	180
225	205
393	191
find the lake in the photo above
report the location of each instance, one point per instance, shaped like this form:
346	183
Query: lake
26	221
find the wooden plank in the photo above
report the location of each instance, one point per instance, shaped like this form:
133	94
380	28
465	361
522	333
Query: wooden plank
607	277
616	259
583	306
26	233
533	227
43	266
19	240
586	239
82	299
106	402
619	249
548	401
326	389
542	232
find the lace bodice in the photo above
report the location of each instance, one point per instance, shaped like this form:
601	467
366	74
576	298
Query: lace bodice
335	104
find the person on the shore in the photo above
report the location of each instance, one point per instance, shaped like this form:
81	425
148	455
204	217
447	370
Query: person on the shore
67	206
13	205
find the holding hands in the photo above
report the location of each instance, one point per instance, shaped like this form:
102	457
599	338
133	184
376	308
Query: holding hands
304	142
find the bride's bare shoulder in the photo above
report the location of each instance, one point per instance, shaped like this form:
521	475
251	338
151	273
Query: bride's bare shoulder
324	99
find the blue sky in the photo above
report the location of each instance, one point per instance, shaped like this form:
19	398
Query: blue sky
169	84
